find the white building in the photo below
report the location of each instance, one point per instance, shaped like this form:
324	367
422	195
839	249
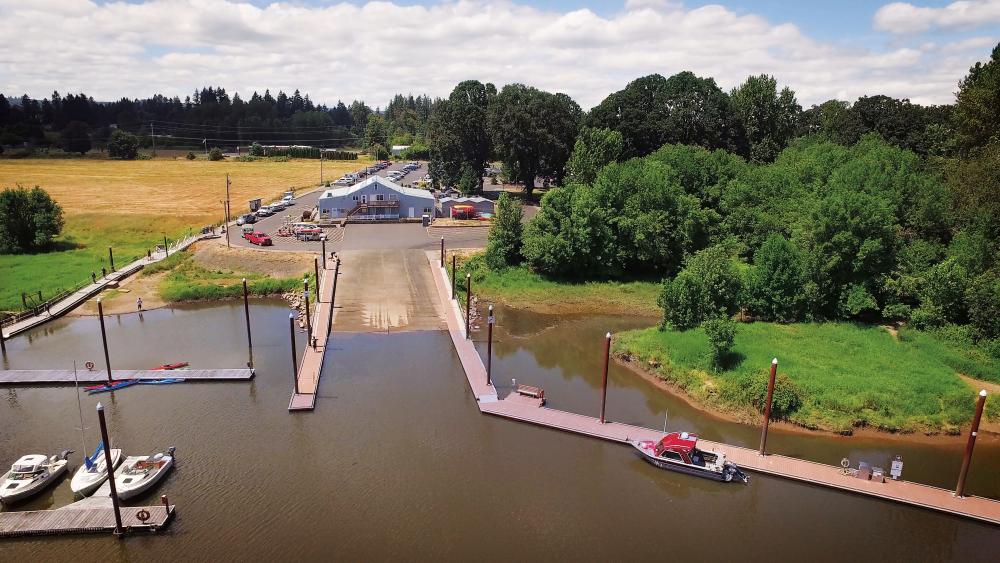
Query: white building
375	199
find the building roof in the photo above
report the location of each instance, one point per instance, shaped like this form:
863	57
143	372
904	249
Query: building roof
384	182
400	147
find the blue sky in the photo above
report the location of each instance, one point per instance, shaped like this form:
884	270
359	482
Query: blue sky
916	49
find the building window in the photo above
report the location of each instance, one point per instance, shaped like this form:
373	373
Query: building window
427	210
355	198
379	197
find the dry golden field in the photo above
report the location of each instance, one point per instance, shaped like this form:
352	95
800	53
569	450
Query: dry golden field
187	188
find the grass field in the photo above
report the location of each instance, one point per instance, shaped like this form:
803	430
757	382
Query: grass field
187	281
846	375
522	289
132	205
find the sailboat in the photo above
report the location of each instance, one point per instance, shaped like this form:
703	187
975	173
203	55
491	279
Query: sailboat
94	470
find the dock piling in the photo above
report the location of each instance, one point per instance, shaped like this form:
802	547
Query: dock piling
322	241
104	340
246	311
111	259
489	347
468	304
316	272
333	299
453	276
305	297
3	342
767	405
442	252
166	249
604	382
110	465
295	363
967	458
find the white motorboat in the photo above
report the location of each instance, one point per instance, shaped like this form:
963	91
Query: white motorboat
32	473
138	474
94	471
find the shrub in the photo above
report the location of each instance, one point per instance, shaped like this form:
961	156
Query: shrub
256	150
504	244
709	286
983	298
721	333
750	388
776	284
29	219
123	145
215	154
190	156
897	312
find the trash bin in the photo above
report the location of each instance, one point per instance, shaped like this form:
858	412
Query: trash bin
426	220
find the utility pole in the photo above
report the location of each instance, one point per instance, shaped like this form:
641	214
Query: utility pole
321	166
227	211
152	135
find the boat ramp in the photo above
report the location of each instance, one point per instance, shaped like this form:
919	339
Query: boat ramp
531	410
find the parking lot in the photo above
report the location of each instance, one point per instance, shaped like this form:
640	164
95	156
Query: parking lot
358	236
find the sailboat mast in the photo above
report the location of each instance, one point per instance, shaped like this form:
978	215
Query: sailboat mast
79	407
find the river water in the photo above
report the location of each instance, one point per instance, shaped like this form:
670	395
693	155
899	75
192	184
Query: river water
397	463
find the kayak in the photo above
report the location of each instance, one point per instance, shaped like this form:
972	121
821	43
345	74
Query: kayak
117	385
166	367
160	381
103	385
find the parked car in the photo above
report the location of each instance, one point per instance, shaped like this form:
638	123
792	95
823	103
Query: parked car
259	238
289	199
312	233
265	211
247	219
247	229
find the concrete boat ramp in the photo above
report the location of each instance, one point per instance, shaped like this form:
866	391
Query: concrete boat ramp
65	377
531	411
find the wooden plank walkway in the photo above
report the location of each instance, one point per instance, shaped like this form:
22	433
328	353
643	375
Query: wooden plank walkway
311	365
70	520
74	299
530	411
65	377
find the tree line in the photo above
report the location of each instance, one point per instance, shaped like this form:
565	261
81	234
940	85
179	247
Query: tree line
880	210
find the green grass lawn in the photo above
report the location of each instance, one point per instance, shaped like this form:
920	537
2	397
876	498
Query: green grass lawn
846	375
523	289
187	281
82	249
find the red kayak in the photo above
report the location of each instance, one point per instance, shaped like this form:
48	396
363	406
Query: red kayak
166	367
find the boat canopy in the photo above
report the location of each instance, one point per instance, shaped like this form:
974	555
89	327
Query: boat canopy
28	463
678	442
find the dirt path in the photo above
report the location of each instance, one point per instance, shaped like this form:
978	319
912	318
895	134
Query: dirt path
383	290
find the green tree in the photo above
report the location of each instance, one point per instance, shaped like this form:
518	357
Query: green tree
721	332
503	246
375	131
256	149
977	105
457	131
833	120
983	298
470	183
568	234
123	145
76	137
215	154
594	149
702	173
29	219
709	286
652	111
533	131
769	117
378	152
943	289
776	282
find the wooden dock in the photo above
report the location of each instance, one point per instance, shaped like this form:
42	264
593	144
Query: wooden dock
72	519
65	377
74	299
311	366
529	410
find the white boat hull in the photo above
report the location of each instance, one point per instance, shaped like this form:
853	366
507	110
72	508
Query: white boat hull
10	496
129	485
86	482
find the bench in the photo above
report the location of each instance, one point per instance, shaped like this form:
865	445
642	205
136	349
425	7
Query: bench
530	391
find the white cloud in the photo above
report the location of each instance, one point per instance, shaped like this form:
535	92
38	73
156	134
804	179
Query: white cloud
903	17
374	50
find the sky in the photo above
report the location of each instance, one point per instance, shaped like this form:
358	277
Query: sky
355	49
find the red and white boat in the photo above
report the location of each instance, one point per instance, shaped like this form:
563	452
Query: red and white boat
678	451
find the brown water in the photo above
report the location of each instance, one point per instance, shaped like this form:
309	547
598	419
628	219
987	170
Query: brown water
397	463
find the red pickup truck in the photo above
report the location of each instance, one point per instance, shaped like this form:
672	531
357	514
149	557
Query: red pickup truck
259	238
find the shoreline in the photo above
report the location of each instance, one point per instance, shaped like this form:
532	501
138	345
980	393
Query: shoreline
986	432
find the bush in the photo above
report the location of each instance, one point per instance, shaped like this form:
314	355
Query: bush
983	298
709	286
503	247
897	312
256	150
750	388
123	145
29	219
721	333
215	154
190	156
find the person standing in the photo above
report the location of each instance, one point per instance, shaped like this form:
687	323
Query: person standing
138	304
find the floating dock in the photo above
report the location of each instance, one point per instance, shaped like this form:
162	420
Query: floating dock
307	379
530	411
65	377
74	299
94	517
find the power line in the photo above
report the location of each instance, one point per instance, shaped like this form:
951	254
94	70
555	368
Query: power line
239	127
